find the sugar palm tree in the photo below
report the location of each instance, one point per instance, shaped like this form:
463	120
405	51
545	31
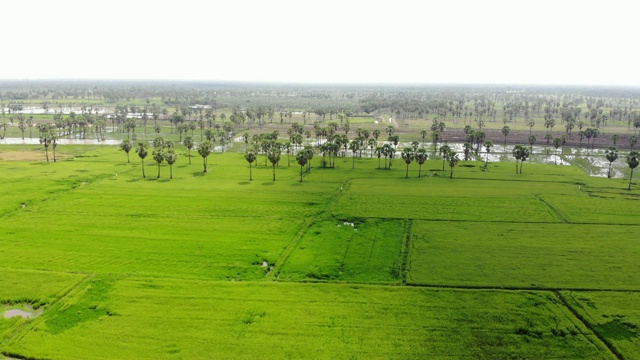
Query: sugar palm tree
274	158
633	158
444	152
204	149
557	142
302	158
188	142
407	155
421	158
142	153
453	161
611	155
532	140
171	158
158	156
487	146
505	132
250	156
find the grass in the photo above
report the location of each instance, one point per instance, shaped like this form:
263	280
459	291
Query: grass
524	255
614	315
362	250
164	319
173	268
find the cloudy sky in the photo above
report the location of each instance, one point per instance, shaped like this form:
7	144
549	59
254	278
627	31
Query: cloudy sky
443	41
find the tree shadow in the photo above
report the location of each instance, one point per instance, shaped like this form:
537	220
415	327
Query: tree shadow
244	182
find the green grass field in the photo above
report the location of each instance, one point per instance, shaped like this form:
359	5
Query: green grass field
350	263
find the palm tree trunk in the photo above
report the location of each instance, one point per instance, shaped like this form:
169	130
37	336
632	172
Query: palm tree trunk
46	152
170	171
419	170
158	171
630	178
451	174
274	172
250	173
407	174
301	172
143	175
189	155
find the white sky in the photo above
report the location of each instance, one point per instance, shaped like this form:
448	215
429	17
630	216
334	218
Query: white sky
392	41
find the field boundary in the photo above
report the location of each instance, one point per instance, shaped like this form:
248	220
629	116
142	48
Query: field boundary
589	326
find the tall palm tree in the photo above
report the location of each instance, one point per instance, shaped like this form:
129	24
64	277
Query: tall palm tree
421	158
354	146
407	155
302	158
453	161
444	152
188	142
557	142
250	156
142	153
171	158
158	156
505	132
487	146
633	158
611	155
204	149
532	140
274	158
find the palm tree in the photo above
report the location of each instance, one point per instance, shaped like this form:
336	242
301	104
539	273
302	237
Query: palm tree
505	132
354	146
444	152
423	133
158	142
633	158
158	156
611	155
633	140
126	146
274	158
171	157
204	149
615	138
532	140
142	153
45	139
407	155
378	152
250	156
376	134
520	153
421	158
453	161
557	142
487	146
302	158
188	142
288	149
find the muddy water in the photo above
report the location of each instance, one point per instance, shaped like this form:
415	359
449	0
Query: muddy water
21	313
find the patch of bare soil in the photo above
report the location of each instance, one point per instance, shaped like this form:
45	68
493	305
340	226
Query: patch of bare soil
27	156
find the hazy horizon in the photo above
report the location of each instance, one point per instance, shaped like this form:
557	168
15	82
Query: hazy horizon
462	42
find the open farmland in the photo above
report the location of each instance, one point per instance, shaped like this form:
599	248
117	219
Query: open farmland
349	263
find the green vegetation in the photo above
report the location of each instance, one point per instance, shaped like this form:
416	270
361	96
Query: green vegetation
358	251
615	316
338	258
164	318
